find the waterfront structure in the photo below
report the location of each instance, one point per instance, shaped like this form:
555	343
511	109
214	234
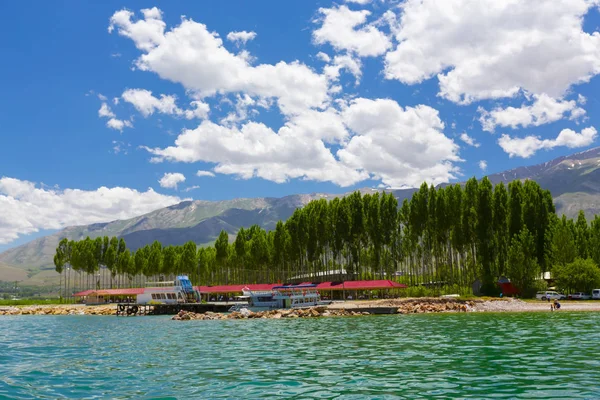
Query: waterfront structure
328	290
177	291
295	296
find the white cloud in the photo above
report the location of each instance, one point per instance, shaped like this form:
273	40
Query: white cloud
402	147
323	57
27	208
255	150
190	188
199	110
204	173
242	104
118	124
105	111
113	122
483	165
171	180
347	62
529	145
195	57
345	29
544	110
492	49
102	97
120	147
468	140
240	37
361	2
147	104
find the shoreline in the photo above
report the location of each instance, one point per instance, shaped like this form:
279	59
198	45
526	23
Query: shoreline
404	306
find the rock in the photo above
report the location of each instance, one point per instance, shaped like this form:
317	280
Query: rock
244	312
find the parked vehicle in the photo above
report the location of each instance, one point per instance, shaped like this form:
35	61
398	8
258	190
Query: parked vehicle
550	295
596	294
579	296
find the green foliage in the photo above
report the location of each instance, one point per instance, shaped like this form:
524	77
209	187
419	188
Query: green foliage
523	268
563	248
580	275
440	239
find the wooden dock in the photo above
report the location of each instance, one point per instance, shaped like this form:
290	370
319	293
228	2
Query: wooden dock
132	309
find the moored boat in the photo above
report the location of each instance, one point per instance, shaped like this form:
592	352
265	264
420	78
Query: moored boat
280	297
169	292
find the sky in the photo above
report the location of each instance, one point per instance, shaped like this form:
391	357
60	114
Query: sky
113	109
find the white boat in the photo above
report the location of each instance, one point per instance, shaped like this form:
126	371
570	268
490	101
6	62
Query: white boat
169	292
280	297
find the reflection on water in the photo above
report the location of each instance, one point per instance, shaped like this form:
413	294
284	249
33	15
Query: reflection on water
542	355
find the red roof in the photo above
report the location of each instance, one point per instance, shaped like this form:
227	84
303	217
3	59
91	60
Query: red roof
348	285
111	292
360	285
84	293
235	288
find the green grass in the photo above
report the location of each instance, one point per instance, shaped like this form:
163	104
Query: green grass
34	302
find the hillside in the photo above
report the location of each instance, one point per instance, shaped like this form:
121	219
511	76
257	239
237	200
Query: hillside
199	220
574	182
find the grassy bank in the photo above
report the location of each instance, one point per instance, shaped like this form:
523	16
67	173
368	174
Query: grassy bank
34	302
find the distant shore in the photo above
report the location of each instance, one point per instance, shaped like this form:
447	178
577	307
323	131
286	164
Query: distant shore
480	305
404	306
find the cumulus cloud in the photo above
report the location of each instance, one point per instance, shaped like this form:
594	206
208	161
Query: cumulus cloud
345	30
105	111
361	2
401	146
171	180
492	49
113	122
544	110
147	104
468	140
255	150
483	165
240	37
27	208
204	173
527	146
118	124
195	57
344	62
376	138
323	57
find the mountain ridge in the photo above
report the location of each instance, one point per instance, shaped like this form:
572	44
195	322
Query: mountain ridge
573	180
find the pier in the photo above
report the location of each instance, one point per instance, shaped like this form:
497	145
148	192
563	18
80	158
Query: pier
132	309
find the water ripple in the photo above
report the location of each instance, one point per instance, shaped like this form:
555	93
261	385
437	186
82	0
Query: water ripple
500	356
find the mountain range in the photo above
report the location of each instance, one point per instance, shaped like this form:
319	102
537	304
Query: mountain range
573	180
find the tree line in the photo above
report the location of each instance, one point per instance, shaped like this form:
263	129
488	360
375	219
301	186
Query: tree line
446	237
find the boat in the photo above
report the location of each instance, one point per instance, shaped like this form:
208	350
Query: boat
280	297
169	292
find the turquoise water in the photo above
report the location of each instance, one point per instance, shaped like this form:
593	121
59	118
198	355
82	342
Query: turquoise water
533	355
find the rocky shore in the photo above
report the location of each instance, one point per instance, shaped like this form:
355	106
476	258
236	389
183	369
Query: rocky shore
407	306
70	309
350	308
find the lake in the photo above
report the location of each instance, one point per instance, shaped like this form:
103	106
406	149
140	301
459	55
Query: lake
477	355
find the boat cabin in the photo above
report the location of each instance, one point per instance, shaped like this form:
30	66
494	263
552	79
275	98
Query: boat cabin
169	292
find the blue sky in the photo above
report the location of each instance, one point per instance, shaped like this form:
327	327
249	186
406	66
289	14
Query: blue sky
402	92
